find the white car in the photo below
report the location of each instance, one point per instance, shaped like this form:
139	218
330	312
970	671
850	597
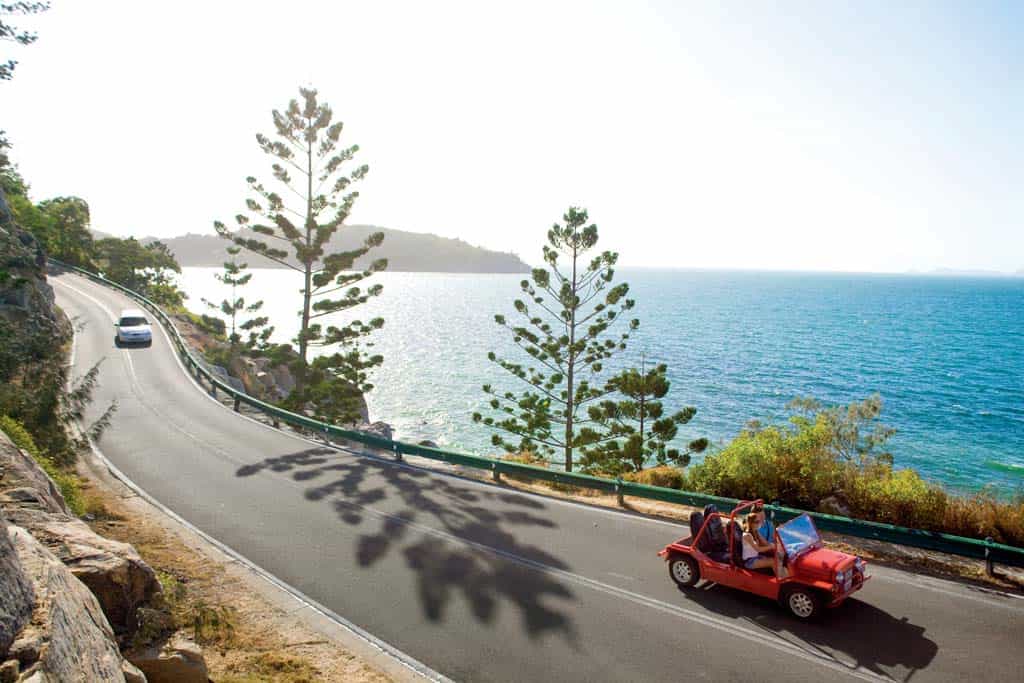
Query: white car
133	328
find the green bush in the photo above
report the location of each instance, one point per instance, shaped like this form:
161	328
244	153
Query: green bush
832	452
70	486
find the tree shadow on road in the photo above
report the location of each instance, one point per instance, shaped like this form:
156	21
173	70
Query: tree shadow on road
855	634
459	539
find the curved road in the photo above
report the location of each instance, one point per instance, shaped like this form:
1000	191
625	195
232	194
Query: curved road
483	583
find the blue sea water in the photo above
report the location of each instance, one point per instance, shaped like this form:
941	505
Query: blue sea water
946	354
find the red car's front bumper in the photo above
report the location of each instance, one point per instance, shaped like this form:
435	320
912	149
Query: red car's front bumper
838	598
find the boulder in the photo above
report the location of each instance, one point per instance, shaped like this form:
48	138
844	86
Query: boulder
834	505
429	444
16	593
175	660
381	429
75	642
113	571
283	378
132	673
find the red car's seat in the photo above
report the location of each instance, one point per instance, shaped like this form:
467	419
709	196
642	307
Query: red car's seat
696	522
737	542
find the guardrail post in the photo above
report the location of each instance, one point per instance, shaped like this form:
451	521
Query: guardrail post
398	453
213	388
990	567
495	474
618	492
237	403
277	424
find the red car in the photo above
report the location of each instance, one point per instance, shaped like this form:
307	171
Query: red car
807	577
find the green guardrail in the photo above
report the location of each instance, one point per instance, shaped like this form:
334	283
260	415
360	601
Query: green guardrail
928	540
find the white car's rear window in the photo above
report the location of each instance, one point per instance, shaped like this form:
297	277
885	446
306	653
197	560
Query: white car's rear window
133	322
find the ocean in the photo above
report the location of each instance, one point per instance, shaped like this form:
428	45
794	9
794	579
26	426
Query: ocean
945	353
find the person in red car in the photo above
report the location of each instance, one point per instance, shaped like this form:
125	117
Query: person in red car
757	553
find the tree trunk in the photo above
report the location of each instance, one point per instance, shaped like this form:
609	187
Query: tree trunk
307	293
570	404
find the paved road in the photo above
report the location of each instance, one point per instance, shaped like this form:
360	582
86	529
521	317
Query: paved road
484	583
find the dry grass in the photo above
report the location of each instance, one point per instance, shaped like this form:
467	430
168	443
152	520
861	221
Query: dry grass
244	638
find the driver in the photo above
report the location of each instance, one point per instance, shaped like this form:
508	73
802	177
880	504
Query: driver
757	553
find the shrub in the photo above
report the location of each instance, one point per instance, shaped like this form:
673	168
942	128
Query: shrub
825	453
70	485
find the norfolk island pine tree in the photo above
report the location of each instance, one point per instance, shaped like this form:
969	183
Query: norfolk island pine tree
306	142
566	335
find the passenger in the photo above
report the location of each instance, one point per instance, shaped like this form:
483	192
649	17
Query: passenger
767	529
756	553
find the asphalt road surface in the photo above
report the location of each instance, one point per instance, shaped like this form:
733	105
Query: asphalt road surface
483	583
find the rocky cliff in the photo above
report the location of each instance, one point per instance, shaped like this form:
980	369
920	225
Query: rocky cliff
71	601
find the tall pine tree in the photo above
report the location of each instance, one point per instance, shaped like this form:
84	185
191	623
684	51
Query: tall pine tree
306	142
565	331
235	276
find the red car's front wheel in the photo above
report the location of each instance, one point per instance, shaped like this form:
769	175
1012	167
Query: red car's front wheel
684	570
803	603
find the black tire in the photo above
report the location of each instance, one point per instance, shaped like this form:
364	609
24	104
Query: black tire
684	570
117	341
802	602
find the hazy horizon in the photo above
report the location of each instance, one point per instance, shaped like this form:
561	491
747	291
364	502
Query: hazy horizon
874	138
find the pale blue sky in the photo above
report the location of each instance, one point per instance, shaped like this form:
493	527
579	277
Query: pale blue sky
868	136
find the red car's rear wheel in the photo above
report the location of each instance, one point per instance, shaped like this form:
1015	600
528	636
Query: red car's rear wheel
684	570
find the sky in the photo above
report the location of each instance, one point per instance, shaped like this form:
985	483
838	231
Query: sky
868	136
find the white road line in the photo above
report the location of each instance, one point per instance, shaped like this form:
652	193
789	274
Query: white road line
956	590
706	619
723	625
371	640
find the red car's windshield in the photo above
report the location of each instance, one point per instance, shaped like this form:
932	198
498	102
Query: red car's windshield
798	535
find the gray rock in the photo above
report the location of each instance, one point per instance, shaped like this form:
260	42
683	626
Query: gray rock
381	429
25	481
283	379
834	505
176	660
78	642
132	673
16	594
429	444
113	571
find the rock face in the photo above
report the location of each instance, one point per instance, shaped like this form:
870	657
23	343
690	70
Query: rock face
24	483
17	597
26	300
67	637
113	571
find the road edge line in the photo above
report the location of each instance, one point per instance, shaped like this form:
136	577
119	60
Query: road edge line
378	646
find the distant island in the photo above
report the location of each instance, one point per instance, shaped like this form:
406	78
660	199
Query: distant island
973	272
405	252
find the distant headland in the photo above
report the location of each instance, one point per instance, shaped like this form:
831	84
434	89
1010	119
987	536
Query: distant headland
405	252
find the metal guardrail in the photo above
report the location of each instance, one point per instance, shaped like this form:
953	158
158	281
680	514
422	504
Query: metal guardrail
986	549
